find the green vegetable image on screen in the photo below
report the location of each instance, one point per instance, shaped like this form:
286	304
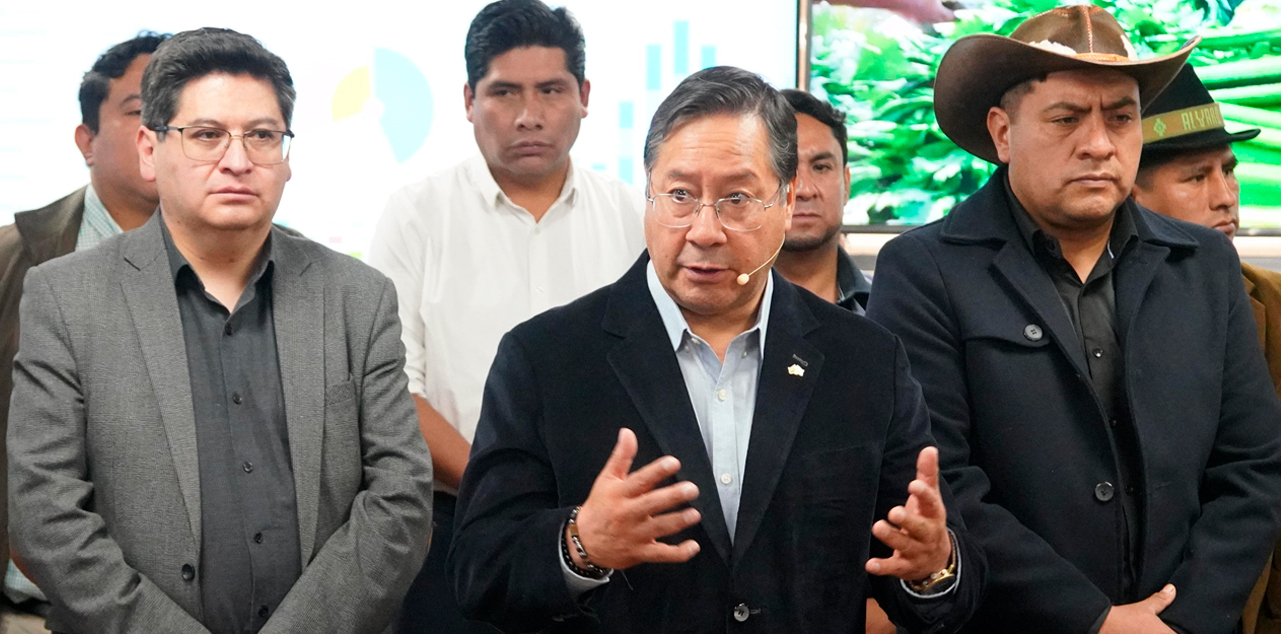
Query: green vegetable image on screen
879	70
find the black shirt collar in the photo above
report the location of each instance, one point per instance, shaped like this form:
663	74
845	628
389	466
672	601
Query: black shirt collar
851	284
178	263
1039	242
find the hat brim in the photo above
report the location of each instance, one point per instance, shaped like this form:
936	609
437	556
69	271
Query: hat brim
1204	140
979	69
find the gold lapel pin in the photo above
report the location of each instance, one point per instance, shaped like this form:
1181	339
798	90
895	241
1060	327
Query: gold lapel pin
795	370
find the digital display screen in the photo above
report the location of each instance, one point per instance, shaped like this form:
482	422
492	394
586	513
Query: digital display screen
878	67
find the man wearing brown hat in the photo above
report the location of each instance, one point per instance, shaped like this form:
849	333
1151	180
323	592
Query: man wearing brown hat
1188	172
1094	379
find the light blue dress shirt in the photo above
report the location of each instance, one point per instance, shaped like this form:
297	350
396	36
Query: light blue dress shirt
723	394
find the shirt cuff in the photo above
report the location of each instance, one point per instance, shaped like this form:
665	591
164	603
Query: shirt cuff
956	579
578	584
1098	625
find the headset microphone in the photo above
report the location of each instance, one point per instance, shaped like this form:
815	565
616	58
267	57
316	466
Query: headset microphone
744	278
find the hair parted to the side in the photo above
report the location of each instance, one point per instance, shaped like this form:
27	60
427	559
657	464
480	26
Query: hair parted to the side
728	90
194	54
112	64
825	113
509	24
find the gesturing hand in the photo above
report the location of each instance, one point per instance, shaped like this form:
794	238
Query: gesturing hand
622	519
917	531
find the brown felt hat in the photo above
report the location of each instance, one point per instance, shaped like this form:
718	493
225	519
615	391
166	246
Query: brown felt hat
978	69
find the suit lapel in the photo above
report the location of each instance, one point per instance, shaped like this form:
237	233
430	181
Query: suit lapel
298	297
1033	286
789	370
153	305
647	368
986	218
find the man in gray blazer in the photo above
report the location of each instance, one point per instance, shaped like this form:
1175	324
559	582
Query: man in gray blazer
210	429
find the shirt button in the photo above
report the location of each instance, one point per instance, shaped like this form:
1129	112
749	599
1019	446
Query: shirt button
1112	422
1098	353
227	330
188	572
1103	491
263	612
248	467
726	478
257	538
235	398
741	612
721	395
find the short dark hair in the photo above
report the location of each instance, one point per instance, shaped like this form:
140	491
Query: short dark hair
507	24
728	90
826	114
96	84
1013	96
193	54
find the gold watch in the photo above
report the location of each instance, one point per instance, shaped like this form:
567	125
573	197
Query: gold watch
930	584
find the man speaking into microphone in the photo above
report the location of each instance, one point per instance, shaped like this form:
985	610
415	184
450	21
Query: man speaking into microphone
702	446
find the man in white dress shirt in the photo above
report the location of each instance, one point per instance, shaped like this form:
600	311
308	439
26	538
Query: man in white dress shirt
482	246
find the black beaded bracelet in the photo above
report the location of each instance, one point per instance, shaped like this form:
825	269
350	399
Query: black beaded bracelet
592	571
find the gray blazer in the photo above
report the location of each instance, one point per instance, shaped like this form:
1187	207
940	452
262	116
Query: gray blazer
104	482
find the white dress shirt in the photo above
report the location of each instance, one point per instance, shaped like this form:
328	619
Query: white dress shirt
469	264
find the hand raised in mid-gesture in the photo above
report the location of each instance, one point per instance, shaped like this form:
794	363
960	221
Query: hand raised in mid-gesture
624	515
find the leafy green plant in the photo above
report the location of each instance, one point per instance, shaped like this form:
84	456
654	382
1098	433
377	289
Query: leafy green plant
906	171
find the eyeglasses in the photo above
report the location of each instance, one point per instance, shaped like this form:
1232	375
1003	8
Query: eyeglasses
737	212
202	143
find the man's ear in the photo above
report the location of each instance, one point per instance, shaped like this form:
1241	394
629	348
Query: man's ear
147	141
998	125
584	92
469	99
84	141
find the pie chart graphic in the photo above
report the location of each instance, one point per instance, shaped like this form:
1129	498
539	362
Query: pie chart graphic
398	89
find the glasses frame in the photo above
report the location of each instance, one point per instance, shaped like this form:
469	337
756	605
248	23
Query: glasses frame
715	205
287	137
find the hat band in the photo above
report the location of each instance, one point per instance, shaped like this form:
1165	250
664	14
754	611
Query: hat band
1102	57
1177	123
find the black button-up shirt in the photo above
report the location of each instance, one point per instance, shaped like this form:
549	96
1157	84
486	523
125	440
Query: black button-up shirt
1091	305
250	553
851	284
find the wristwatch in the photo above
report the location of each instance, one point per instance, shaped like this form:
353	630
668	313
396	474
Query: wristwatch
592	571
938	581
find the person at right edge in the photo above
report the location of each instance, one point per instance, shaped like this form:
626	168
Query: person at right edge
1092	369
1188	172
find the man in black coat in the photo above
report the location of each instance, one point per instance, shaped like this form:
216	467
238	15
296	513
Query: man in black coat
776	429
1091	368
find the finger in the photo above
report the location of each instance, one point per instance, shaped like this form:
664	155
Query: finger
672	523
659	553
895	566
911	522
1161	600
663	499
892	537
927	466
644	478
926	500
620	460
